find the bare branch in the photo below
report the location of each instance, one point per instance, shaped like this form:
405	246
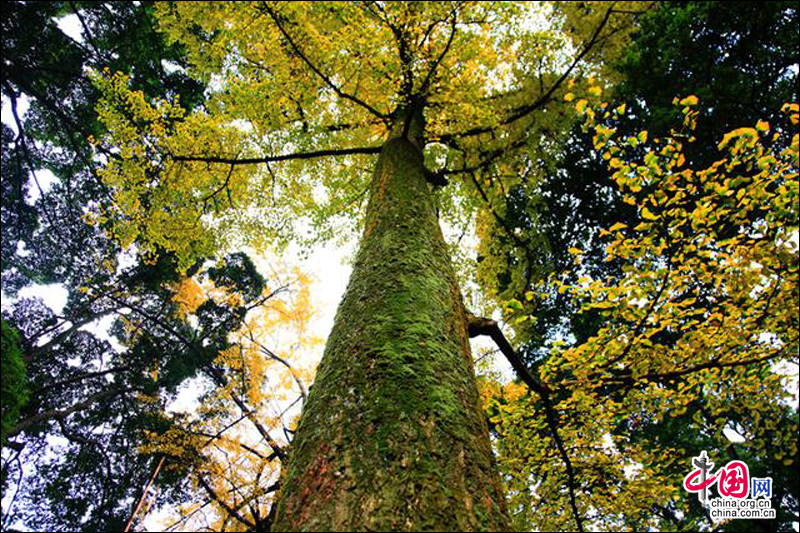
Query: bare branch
150	482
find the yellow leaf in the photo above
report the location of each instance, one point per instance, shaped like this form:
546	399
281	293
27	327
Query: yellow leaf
648	215
618	226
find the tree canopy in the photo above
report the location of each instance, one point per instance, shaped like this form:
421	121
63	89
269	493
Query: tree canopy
628	171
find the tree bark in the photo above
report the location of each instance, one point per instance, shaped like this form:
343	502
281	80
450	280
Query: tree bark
393	437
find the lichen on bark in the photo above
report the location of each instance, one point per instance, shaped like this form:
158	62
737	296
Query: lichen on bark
392	436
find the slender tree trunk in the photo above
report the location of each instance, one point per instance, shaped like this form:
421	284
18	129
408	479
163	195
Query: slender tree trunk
392	437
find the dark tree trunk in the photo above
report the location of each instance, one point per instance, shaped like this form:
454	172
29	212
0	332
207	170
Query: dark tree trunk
392	436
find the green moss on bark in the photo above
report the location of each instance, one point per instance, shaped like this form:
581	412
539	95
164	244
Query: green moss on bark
392	436
14	380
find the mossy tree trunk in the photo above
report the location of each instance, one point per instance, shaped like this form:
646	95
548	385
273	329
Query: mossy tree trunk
392	436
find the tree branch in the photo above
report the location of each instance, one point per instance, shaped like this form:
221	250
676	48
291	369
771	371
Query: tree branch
629	380
213	372
525	110
367	150
60	414
146	489
230	510
485	326
80	377
429	77
77	324
275	17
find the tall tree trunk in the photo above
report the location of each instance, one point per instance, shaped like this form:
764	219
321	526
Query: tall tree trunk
392	436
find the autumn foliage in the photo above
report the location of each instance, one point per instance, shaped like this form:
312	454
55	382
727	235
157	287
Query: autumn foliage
612	185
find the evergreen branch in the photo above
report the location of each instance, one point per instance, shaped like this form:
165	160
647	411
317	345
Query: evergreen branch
80	377
213	372
60	414
62	336
87	32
